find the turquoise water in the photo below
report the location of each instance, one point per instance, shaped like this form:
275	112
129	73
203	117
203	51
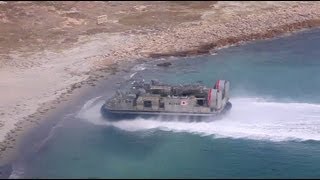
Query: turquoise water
273	129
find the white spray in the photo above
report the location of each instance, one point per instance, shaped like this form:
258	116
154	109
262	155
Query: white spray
249	118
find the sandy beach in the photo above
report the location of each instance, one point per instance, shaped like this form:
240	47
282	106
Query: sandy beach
71	45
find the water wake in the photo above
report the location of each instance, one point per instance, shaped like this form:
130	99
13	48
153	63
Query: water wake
139	67
250	118
17	171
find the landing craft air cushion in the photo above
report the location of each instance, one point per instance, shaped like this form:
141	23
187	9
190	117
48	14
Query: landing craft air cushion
157	98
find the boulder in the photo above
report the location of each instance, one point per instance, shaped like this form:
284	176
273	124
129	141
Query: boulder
165	64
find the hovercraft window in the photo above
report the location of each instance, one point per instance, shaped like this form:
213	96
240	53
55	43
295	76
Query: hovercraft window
128	101
147	104
200	102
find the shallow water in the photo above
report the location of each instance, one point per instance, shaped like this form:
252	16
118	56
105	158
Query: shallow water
273	129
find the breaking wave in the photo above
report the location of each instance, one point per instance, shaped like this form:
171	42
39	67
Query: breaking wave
17	171
139	67
250	118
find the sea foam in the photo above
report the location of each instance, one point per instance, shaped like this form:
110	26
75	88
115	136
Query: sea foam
250	118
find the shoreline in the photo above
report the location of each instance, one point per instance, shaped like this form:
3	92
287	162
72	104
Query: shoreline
136	52
234	41
34	120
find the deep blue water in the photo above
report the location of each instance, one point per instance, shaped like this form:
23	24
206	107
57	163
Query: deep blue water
273	129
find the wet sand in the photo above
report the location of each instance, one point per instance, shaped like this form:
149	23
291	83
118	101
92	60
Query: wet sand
36	80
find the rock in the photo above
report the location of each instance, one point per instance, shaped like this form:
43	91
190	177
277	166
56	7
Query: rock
141	8
165	64
102	19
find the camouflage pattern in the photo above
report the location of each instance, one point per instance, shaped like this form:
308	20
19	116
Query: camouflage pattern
159	98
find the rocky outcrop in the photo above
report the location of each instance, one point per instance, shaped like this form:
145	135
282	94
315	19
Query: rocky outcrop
165	64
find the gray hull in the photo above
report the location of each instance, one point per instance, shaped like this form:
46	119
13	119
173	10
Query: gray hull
158	99
112	114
